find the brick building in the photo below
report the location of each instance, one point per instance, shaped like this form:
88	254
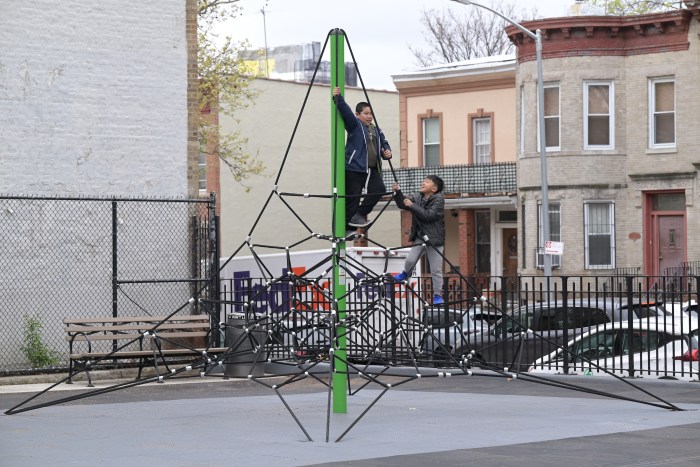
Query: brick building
621	117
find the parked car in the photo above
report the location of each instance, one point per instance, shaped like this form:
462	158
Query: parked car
661	350
687	308
535	330
449	329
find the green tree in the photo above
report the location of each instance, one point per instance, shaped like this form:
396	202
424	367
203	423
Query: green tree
635	7
224	84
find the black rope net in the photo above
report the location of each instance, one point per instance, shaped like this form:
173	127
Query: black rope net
299	337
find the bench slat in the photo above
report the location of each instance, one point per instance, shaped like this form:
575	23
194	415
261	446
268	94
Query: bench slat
144	353
131	336
136	319
137	327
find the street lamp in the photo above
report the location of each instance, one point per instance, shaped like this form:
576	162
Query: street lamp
537	37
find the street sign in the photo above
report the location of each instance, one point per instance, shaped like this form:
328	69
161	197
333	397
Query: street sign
553	248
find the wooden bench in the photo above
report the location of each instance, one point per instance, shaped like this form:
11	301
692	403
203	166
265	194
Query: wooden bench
146	338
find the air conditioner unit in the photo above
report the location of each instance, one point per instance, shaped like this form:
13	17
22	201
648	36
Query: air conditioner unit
556	259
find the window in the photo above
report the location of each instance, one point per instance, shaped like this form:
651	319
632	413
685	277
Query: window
551	118
483	241
482	140
599	235
598	111
554	233
202	169
431	141
662	113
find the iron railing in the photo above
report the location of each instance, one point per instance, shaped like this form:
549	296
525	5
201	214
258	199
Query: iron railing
459	179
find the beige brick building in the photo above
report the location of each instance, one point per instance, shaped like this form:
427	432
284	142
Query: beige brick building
621	117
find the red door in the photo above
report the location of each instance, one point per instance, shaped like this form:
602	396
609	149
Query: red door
670	242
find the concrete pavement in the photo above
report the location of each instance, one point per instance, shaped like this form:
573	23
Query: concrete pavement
455	421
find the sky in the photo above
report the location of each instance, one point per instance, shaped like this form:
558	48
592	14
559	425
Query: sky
379	31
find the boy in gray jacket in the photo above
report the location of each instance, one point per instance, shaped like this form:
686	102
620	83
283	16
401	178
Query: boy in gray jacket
427	230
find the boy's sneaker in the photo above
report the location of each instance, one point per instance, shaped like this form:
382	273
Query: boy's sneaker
437	300
358	221
400	277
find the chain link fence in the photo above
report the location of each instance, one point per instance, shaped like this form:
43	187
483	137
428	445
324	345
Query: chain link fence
95	257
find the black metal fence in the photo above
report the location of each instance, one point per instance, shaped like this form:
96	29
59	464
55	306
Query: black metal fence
496	323
95	257
80	257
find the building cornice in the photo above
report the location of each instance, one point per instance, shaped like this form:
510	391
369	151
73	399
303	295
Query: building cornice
439	87
580	36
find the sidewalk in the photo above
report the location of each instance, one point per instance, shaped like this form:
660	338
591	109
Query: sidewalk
455	421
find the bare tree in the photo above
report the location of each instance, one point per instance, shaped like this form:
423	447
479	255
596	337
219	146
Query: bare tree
474	33
636	7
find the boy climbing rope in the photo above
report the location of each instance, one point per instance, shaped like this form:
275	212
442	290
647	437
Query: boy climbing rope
427	230
365	148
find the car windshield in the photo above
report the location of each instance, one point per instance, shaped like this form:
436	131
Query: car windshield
519	321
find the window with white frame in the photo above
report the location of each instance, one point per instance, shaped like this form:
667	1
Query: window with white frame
202	170
662	113
554	233
552	118
599	234
431	141
482	140
598	111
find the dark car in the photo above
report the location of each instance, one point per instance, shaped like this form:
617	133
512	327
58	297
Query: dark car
532	331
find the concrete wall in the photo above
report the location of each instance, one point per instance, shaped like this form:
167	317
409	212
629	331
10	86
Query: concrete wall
94	97
269	124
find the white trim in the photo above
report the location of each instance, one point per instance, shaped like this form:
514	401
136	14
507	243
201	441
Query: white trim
426	144
652	106
550	148
611	114
586	235
474	67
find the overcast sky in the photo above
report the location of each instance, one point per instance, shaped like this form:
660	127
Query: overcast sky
379	31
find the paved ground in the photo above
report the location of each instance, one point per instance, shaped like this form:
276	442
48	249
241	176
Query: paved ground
480	420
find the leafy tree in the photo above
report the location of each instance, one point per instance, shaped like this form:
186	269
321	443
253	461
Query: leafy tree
474	33
224	83
635	7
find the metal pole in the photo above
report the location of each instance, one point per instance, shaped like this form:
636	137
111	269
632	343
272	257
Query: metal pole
537	37
543	153
340	382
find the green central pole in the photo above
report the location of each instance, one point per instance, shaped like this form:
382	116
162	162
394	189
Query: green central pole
340	381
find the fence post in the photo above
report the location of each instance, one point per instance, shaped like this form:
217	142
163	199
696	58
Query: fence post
565	302
115	284
215	273
630	296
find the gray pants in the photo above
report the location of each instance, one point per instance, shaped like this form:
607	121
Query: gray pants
434	259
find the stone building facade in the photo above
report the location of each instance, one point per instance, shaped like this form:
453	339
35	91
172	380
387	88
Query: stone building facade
621	116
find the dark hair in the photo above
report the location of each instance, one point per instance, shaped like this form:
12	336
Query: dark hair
361	106
437	181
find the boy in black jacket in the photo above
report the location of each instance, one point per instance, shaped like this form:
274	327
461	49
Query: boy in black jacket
427	230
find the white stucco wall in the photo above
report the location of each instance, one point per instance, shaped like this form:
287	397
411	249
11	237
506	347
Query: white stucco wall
93	98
